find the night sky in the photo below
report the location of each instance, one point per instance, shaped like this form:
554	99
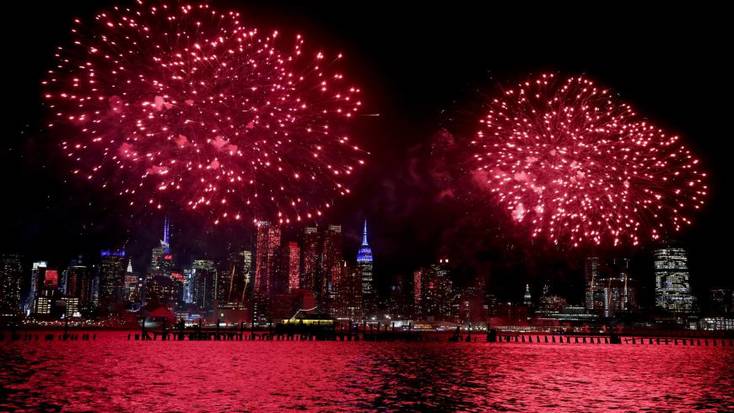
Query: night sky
426	69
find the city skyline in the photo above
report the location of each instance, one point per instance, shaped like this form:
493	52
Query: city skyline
280	205
282	274
407	186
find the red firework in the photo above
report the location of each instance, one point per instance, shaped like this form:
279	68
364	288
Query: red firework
184	105
566	158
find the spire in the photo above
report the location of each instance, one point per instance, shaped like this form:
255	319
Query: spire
166	229
129	266
364	233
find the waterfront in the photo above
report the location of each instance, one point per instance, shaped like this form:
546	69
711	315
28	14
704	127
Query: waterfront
113	374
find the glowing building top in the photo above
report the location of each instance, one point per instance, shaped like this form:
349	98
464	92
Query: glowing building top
364	255
166	241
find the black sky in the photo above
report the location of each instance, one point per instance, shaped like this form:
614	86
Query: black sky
424	67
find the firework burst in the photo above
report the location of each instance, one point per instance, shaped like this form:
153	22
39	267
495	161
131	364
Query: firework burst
566	158
182	105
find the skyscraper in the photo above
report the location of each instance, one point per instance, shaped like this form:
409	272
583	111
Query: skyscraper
161	261
672	288
203	288
111	279
417	291
364	268
266	251
609	287
436	291
38	272
293	266
311	257
233	280
591	275
11	277
331	257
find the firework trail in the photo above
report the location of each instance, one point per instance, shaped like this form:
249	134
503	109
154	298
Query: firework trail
566	158
178	105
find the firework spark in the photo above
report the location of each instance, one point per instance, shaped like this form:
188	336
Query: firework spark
578	167
183	105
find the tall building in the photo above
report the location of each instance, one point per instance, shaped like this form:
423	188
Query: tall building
672	288
364	268
48	291
266	252
310	263
161	260
609	287
133	286
591	275
348	298
234	279
330	265
78	282
435	289
293	261
203	288
11	280
111	279
417	291
38	272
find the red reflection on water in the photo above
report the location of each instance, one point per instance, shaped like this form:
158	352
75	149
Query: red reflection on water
112	374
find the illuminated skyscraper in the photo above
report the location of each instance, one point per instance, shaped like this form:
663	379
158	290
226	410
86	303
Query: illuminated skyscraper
672	288
11	278
294	266
348	301
591	275
330	265
38	272
161	261
609	287
436	291
417	291
111	279
266	251
78	282
311	257
203	284
364	267
133	285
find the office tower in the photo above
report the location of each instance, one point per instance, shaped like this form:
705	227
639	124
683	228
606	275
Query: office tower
38	272
417	291
203	291
330	266
348	298
609	287
436	291
11	280
266	252
293	265
111	279
164	291
161	261
311	258
591	275
132	286
672	288
364	268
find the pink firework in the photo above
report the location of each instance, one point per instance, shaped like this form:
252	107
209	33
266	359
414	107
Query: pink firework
578	167
182	105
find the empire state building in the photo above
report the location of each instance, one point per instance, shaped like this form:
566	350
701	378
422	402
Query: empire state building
364	266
